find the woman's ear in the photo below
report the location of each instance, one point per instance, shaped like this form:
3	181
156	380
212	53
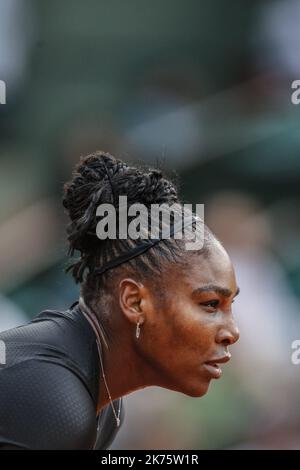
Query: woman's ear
133	300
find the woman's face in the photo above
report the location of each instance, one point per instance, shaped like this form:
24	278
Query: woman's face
190	334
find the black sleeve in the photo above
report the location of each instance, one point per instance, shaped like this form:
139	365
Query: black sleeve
45	406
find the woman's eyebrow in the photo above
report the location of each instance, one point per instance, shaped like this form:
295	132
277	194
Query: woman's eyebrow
214	288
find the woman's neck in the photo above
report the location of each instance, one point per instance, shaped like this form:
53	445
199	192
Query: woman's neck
124	369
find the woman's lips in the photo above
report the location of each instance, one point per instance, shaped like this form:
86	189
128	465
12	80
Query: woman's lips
214	370
213	366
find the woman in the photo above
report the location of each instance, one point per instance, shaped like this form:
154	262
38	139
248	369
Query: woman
148	314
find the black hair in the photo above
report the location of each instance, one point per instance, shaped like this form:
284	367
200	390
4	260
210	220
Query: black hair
101	178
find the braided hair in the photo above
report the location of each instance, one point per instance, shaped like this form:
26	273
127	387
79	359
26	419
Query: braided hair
101	178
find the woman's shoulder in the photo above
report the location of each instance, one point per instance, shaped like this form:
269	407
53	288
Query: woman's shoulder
49	408
63	338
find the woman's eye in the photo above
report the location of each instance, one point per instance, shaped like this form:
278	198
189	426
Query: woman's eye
212	304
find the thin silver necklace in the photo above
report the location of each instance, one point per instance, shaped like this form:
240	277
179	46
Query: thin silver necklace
91	318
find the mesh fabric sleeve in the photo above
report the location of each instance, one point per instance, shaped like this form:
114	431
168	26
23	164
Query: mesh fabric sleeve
45	406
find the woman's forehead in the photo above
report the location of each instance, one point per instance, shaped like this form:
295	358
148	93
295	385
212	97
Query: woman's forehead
213	269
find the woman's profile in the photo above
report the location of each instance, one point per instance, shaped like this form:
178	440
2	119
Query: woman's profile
149	314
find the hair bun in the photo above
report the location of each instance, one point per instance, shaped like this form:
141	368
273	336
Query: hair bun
100	178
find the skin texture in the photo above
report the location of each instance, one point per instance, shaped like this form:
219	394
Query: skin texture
193	324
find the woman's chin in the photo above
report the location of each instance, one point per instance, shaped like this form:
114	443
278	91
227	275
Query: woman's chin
197	390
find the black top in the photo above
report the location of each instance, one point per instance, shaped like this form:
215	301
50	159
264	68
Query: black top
49	385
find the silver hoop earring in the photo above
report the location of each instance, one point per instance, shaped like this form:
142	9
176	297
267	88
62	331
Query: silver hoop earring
137	333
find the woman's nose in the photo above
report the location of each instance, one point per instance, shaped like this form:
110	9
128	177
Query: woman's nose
228	334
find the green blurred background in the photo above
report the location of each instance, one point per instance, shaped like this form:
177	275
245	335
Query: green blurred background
202	89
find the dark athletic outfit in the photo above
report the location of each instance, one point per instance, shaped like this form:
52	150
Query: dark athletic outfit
49	386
